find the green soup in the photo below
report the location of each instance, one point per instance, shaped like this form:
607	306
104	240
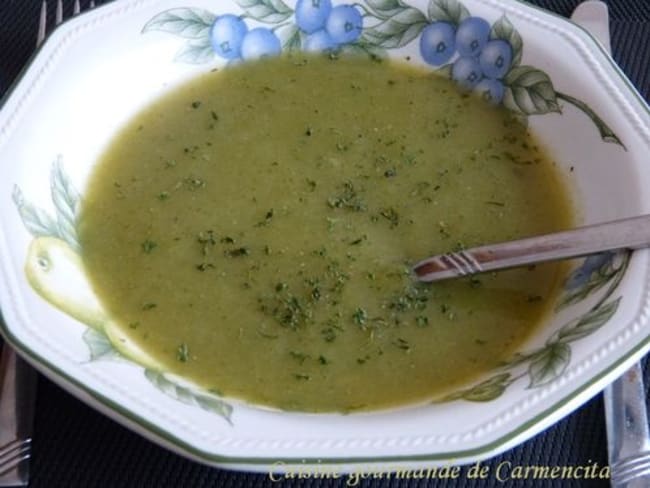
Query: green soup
253	231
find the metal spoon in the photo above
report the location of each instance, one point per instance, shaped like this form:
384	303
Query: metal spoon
631	233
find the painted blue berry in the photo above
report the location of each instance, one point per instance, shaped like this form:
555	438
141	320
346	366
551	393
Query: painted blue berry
466	72
319	41
260	42
471	36
226	35
344	24
438	43
490	90
582	275
597	261
496	58
311	15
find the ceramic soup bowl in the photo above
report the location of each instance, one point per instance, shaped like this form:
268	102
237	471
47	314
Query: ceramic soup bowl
99	69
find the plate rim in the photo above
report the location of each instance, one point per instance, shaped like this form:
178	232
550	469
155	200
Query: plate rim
132	419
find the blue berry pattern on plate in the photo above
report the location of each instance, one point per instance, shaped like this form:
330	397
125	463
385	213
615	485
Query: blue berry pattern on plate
311	15
472	34
260	42
344	24
466	71
226	36
438	43
480	56
496	59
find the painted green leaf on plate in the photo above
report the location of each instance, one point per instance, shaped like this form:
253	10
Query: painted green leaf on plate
588	323
397	30
268	11
364	48
483	392
504	30
290	37
66	201
385	9
99	345
550	364
594	273
190	23
204	400
450	11
196	51
37	221
529	91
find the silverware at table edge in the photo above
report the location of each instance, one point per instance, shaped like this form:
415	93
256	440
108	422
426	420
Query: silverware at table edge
18	379
17	398
628	439
628	436
58	17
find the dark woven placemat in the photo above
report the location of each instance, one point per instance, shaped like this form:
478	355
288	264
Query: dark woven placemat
74	446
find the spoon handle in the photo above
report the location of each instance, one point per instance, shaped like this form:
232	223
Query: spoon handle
630	233
628	437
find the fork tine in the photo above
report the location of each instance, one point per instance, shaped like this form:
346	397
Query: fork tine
13	463
59	12
13	445
42	21
14	453
58	18
17	393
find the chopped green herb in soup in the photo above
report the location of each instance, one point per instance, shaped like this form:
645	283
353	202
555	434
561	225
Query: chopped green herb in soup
258	225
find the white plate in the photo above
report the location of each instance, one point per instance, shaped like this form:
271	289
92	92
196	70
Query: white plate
99	69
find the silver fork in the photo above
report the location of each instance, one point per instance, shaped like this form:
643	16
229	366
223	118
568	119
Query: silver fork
17	397
58	17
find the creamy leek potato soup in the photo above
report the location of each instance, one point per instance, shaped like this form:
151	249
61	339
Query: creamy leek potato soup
254	230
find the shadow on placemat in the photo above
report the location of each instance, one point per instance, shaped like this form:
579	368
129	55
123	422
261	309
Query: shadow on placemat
76	447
